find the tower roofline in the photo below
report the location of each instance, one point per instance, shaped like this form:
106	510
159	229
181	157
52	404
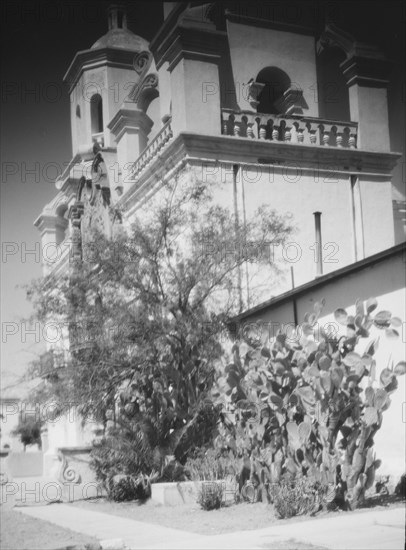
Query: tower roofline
90	59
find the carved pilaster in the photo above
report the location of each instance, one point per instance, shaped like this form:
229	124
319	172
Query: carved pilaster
75	214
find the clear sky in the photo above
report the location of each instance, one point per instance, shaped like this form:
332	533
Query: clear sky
39	40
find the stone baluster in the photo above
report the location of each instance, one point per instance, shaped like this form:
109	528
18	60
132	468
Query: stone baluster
352	141
339	139
313	137
288	134
300	135
326	137
275	133
262	132
225	128
250	130
237	129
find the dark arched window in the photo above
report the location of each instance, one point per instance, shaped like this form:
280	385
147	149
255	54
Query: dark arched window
96	114
276	83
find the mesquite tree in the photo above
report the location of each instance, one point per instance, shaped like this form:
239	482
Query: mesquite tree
143	314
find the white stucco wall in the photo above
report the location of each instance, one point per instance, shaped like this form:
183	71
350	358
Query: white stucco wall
299	193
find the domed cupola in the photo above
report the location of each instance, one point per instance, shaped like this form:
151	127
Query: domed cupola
118	35
101	78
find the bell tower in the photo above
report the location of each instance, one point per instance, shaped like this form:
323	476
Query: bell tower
100	79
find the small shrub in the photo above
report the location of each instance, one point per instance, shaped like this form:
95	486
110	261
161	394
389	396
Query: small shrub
400	489
294	497
211	495
124	488
211	465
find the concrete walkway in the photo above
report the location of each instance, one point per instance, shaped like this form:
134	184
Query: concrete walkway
369	530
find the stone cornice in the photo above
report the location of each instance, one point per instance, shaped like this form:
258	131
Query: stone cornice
91	59
366	71
129	118
309	156
365	64
185	42
267	23
282	156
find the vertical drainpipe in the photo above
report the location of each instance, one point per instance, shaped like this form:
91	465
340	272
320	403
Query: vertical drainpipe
317	223
292	276
244	213
236	225
357	222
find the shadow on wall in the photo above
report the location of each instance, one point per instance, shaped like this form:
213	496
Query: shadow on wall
332	91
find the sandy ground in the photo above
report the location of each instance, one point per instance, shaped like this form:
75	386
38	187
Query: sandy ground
240	517
20	532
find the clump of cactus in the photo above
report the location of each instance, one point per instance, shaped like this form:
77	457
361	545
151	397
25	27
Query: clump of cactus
307	406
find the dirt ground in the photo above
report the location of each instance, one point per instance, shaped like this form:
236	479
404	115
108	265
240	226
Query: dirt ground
21	532
238	517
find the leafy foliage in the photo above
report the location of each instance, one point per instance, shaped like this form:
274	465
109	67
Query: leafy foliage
211	465
124	487
301	406
141	328
400	488
29	431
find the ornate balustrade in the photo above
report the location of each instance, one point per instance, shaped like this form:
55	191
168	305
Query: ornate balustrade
152	149
289	129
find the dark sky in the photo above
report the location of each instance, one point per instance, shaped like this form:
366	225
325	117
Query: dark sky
40	39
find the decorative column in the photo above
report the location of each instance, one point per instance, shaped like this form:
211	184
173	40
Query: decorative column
131	127
190	45
366	72
75	214
52	229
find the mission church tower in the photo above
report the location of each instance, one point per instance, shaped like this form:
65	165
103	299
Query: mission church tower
263	110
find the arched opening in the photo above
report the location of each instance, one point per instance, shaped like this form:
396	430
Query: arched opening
332	90
276	83
96	114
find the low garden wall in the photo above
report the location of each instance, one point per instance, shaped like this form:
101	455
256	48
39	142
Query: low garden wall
187	492
76	477
25	464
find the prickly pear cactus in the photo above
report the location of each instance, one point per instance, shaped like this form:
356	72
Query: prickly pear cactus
307	405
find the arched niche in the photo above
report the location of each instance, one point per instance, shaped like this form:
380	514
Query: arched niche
276	82
96	114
